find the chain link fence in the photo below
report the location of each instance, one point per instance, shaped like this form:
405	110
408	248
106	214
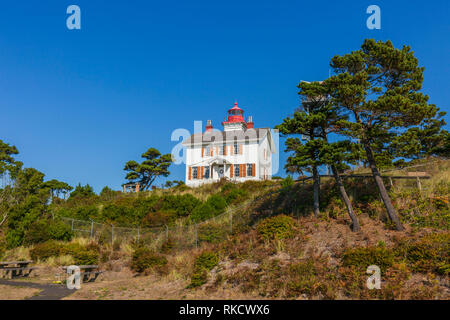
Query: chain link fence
178	236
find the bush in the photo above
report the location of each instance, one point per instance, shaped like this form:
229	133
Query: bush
214	206
144	258
45	250
361	258
37	233
58	230
43	230
278	227
430	254
202	265
81	254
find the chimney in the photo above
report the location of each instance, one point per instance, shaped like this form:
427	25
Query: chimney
250	122
209	126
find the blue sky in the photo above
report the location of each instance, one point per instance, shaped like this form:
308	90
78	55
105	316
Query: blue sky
80	103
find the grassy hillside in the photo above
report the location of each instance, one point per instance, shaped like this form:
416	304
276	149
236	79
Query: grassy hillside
276	249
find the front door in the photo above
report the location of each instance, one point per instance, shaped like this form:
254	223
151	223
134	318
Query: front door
221	171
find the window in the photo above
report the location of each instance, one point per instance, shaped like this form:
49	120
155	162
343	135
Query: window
206	172
207	151
236	148
222	150
194	173
249	169
236	170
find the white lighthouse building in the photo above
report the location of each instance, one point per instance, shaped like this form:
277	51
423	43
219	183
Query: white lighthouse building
238	153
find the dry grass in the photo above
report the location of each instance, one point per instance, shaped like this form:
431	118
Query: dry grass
17	293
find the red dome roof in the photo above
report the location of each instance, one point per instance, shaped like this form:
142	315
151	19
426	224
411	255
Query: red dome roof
235	114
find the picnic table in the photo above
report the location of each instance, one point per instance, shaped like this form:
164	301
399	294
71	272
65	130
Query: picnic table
88	273
16	268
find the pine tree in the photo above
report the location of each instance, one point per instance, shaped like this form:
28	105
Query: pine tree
316	119
380	86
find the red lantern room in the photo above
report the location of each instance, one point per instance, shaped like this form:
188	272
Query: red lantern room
235	114
235	119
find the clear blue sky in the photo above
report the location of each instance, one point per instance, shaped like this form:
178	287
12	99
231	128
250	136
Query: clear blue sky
80	103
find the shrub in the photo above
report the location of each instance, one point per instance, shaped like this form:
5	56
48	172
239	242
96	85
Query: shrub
211	233
202	265
43	230
202	212
37	233
58	230
81	254
45	250
206	260
218	203
429	254
361	258
144	258
278	227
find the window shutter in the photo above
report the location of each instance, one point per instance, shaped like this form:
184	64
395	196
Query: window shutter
241	148
244	170
225	150
201	172
190	173
231	170
212	151
253	169
203	152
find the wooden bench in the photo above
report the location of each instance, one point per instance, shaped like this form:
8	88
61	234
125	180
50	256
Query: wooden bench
89	273
16	269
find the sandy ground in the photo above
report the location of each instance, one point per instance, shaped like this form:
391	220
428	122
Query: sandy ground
17	292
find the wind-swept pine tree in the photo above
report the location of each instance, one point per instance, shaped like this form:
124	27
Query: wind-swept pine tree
316	119
380	85
154	165
425	140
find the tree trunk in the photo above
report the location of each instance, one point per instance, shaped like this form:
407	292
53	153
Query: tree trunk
316	190
382	189
348	204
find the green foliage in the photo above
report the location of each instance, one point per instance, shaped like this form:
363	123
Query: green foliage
361	258
144	258
154	165
202	265
212	233
430	254
82	192
278	227
44	230
287	182
83	255
303	280
45	250
214	206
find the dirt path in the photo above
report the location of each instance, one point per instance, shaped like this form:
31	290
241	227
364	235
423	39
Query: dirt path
48	291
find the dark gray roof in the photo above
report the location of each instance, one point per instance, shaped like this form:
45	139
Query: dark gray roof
226	136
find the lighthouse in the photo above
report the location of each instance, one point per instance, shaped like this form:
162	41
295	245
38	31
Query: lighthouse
238	153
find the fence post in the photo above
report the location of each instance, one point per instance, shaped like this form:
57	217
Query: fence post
231	221
112	235
72	225
92	228
138	233
419	186
167	232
